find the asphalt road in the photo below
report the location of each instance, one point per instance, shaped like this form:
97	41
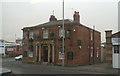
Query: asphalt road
23	68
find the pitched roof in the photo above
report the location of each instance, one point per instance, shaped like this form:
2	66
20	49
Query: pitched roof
56	24
116	35
53	24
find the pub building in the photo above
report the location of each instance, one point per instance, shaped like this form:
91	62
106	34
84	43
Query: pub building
43	43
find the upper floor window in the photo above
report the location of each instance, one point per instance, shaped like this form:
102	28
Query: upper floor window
79	44
31	34
45	34
61	32
91	35
68	33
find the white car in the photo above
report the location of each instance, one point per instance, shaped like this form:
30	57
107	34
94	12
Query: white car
19	57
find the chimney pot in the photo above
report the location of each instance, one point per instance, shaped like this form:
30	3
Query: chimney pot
76	16
52	18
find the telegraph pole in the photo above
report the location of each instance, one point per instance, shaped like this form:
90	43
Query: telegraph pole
63	38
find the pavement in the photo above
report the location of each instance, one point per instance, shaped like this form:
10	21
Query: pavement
24	68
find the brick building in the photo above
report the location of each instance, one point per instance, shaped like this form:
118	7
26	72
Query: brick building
43	43
103	52
113	49
14	48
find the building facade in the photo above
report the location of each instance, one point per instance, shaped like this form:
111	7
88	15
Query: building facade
43	43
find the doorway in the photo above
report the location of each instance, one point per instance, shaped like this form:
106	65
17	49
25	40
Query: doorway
37	54
45	51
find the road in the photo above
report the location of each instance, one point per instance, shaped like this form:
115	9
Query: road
24	68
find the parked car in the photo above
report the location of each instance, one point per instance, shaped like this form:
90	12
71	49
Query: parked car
20	57
7	72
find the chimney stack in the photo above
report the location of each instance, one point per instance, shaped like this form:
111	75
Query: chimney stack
108	47
52	18
76	16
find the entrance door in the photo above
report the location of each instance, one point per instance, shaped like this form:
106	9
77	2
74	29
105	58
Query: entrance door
45	49
37	53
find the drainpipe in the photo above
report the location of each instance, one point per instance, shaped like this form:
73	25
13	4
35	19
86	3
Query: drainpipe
89	49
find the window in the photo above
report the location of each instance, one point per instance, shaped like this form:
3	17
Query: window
116	49
97	52
91	51
51	34
68	33
79	43
21	50
91	35
31	34
31	51
17	48
70	55
20	46
45	34
61	32
25	54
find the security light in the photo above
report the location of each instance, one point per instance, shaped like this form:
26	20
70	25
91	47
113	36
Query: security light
74	30
43	28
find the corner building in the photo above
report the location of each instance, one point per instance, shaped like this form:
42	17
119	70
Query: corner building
43	43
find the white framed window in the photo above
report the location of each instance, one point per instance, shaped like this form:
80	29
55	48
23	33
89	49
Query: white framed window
91	35
45	34
31	51
91	51
97	52
61	32
31	34
79	44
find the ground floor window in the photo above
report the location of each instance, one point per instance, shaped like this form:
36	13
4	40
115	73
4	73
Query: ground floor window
25	54
116	49
97	52
70	55
31	51
91	51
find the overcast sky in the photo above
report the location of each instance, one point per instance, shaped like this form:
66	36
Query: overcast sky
14	15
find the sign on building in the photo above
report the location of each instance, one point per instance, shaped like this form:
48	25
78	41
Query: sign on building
116	41
10	49
61	55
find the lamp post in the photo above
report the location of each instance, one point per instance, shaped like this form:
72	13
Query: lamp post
93	44
63	38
